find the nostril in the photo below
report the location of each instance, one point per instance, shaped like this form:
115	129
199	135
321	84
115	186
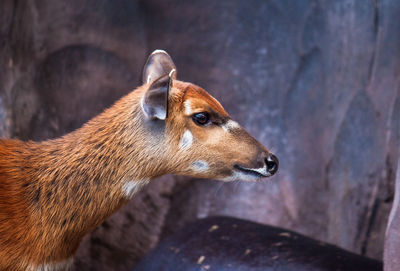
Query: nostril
272	163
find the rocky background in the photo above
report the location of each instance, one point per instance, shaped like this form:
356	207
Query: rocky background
316	81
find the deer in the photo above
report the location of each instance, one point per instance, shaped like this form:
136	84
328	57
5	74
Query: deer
54	192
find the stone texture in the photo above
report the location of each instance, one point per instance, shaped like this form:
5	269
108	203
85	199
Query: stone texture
314	80
392	242
392	237
231	244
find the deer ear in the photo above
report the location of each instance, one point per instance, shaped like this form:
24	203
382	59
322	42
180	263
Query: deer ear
155	100
160	71
158	64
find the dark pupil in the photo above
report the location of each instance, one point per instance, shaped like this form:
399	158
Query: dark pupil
201	118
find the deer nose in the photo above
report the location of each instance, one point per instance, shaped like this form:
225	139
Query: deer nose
272	163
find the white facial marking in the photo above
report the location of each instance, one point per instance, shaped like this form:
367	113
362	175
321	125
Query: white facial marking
230	125
188	107
243	176
57	266
186	141
262	170
200	166
130	188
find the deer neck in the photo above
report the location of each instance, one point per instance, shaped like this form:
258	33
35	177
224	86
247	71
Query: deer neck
92	172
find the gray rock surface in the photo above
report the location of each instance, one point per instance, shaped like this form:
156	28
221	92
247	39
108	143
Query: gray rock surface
315	81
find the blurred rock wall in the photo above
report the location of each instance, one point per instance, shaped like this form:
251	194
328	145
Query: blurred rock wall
317	82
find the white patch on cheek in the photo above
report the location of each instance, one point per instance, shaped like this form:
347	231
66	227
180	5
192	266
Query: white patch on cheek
188	107
130	188
230	125
200	166
186	141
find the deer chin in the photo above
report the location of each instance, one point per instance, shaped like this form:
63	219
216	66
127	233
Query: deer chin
257	172
241	173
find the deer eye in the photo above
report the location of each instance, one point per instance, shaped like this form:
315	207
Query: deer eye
201	118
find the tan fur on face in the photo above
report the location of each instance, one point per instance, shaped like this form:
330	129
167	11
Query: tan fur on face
221	145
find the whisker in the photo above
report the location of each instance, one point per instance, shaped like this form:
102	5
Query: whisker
236	184
218	188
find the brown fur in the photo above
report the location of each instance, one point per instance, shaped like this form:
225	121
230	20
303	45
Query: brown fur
52	193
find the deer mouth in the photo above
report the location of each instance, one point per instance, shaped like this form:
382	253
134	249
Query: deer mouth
255	172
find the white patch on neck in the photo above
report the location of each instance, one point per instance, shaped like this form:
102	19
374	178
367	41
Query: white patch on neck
200	166
188	107
130	188
57	266
186	141
230	125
